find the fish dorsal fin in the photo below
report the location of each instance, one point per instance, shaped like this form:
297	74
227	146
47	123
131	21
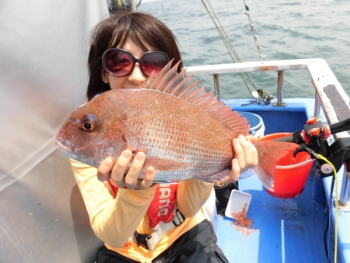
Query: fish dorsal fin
164	76
177	84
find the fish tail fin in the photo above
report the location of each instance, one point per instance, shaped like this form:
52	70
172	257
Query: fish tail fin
269	153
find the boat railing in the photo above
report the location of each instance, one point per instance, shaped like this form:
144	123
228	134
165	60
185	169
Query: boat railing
327	88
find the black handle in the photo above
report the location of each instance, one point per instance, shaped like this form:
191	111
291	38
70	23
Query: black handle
340	126
334	128
295	137
285	139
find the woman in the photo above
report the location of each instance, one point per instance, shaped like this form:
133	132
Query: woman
138	220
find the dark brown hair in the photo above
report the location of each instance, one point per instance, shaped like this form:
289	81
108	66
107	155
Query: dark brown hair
143	29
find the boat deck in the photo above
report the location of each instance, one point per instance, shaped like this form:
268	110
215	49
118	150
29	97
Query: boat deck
287	230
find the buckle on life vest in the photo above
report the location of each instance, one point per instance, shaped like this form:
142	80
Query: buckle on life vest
149	241
141	239
179	218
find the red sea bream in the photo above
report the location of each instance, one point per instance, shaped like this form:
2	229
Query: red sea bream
184	131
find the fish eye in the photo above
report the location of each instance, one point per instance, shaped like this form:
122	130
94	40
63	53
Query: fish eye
88	125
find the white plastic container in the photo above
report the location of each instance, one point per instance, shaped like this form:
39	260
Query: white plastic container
237	202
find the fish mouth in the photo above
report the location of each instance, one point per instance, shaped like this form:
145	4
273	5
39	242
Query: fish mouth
63	148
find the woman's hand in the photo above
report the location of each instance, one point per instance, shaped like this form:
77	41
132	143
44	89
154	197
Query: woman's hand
124	177
246	156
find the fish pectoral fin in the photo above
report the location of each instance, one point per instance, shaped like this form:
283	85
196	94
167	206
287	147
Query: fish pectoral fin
164	164
215	177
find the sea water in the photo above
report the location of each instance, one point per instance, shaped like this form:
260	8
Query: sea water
286	29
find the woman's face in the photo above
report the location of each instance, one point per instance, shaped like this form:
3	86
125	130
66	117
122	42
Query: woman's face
136	79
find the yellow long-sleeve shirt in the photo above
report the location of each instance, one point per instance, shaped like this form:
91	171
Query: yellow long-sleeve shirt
114	220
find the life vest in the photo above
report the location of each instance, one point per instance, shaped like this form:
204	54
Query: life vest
162	206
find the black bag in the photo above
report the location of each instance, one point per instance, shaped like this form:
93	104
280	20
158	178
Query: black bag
199	244
222	196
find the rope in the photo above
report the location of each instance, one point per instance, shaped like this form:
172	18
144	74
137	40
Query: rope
227	42
319	156
256	39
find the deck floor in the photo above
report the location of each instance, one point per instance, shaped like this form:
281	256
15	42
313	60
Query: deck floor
287	230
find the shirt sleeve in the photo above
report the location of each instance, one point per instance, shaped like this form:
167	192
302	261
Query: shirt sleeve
113	220
191	196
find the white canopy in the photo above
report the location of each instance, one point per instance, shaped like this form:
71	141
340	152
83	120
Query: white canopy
43	77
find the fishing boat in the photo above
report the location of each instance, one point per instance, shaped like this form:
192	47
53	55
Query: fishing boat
311	225
43	217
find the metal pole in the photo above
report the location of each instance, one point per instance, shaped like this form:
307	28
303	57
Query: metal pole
317	106
344	197
279	89
216	85
133	5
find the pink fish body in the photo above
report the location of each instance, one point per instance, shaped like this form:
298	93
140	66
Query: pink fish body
184	131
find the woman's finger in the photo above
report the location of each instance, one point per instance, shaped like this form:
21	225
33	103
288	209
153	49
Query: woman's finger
252	139
121	166
233	176
131	179
148	179
104	170
239	148
254	153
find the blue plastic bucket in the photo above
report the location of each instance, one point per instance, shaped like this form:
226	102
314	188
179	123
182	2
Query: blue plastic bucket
257	127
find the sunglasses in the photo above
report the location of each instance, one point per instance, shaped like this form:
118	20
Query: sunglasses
119	62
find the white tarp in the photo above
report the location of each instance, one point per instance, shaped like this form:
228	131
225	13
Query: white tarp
43	77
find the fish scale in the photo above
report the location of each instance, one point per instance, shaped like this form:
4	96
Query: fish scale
184	131
197	132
